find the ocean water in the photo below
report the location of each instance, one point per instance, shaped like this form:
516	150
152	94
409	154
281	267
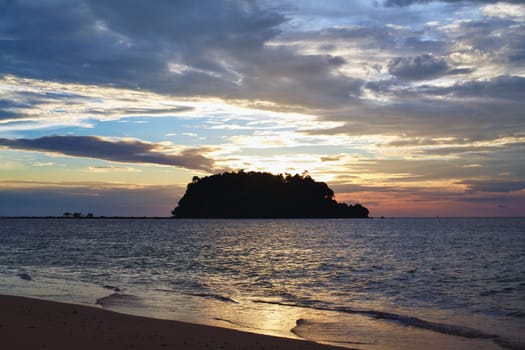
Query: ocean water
369	284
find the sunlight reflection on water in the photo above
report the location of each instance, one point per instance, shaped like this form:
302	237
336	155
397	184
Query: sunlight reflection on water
336	276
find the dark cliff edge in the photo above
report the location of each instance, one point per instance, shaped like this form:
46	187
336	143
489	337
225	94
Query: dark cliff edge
262	195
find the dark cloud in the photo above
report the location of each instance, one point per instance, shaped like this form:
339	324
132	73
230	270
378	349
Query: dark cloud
187	48
419	68
425	45
414	115
498	186
484	39
465	151
479	110
309	80
213	48
503	87
55	40
366	36
402	3
508	160
117	151
186	22
127	43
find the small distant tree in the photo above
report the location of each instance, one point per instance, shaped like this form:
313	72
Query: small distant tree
67	214
77	215
89	215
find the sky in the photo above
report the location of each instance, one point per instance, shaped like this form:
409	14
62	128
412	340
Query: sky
409	107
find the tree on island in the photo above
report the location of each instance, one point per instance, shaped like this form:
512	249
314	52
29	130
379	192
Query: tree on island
77	215
262	195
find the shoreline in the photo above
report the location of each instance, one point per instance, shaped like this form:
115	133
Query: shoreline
27	323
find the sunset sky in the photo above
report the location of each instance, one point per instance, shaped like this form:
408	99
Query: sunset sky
409	107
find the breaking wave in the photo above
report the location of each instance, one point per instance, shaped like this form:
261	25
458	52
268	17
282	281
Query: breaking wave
117	299
405	320
214	297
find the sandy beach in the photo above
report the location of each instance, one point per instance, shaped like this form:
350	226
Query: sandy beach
37	324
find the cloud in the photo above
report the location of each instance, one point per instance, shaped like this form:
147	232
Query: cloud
420	67
418	141
402	3
331	158
511	88
418	91
485	109
186	48
31	104
216	23
109	169
498	186
126	151
283	76
435	171
227	49
129	43
502	10
419	117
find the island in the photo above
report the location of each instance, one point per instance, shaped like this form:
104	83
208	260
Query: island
262	195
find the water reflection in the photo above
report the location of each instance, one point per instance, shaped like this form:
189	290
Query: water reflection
323	272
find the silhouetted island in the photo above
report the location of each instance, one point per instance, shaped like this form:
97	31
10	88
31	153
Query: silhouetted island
262	195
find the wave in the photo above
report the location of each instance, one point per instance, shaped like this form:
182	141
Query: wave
25	276
444	328
518	314
113	288
214	297
230	322
301	323
509	344
242	326
117	299
497	291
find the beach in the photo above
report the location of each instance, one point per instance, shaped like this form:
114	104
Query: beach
27	323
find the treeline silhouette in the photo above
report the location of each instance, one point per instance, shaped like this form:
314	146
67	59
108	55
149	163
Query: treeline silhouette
262	195
77	215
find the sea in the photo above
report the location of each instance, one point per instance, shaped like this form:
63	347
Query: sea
393	283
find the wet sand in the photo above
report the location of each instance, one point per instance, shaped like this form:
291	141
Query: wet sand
37	324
